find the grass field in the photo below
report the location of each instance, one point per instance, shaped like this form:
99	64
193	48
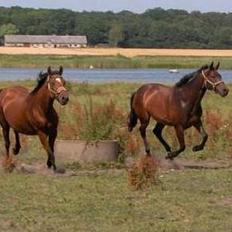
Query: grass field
113	58
184	200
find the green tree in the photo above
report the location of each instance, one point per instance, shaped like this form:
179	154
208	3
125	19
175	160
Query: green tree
8	29
116	34
154	28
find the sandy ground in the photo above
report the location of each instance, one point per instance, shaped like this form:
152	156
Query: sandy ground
163	164
129	52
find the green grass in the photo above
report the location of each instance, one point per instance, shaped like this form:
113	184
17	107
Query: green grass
184	201
188	200
41	61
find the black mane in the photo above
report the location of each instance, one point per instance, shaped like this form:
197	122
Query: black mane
187	78
41	79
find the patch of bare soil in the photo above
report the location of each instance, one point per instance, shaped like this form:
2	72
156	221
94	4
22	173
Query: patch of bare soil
181	164
41	169
226	201
196	164
163	164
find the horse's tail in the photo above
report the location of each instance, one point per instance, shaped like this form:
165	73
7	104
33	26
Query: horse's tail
132	117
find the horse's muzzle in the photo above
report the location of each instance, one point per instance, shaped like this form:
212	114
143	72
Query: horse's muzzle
63	98
223	92
222	89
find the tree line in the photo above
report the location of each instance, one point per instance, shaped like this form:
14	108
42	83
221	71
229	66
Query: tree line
155	28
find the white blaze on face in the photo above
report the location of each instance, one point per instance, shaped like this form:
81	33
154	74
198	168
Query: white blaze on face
58	80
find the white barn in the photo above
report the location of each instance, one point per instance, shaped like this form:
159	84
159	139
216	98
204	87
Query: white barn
55	41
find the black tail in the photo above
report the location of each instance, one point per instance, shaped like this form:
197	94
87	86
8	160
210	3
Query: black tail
132	117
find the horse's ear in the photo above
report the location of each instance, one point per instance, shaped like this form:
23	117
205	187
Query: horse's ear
204	67
211	66
49	70
217	66
61	70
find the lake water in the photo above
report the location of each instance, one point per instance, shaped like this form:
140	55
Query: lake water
108	75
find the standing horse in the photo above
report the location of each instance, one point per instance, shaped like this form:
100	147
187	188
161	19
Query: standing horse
178	106
32	113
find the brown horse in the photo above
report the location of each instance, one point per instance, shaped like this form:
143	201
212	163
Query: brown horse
32	113
178	106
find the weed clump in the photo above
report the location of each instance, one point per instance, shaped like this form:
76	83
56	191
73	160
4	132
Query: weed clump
143	173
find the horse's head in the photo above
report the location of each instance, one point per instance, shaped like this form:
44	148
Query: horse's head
56	85
213	80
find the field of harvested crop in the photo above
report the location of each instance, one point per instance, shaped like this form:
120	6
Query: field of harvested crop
127	52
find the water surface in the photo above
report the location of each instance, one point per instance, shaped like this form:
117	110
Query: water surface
108	75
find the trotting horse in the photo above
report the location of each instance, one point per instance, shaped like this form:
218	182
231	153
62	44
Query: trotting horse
32	113
178	106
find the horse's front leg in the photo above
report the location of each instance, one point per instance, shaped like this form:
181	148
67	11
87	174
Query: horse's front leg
46	141
17	147
51	140
204	136
180	136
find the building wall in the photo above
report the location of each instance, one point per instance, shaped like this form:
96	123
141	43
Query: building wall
36	45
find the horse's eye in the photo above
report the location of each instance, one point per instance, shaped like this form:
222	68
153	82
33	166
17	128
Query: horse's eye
213	76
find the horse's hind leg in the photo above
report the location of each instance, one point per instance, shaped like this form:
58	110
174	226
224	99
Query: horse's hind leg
204	136
180	136
143	127
17	147
158	133
6	133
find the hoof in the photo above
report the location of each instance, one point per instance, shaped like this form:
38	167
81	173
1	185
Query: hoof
197	148
49	164
15	151
148	152
169	156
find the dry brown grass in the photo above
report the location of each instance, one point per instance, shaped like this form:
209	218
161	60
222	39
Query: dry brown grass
8	164
143	173
128	52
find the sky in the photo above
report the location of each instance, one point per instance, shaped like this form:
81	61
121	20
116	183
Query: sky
137	6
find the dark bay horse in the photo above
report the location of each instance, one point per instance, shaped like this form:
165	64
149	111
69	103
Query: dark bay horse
32	113
178	106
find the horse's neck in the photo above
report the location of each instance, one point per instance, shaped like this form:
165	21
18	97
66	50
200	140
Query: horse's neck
193	92
197	103
42	99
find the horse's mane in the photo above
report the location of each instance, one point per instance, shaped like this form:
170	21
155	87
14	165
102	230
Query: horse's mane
41	79
187	78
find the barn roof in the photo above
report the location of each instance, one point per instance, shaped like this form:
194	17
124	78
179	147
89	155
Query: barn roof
45	39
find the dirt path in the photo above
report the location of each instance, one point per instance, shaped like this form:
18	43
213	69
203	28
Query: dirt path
165	165
194	164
